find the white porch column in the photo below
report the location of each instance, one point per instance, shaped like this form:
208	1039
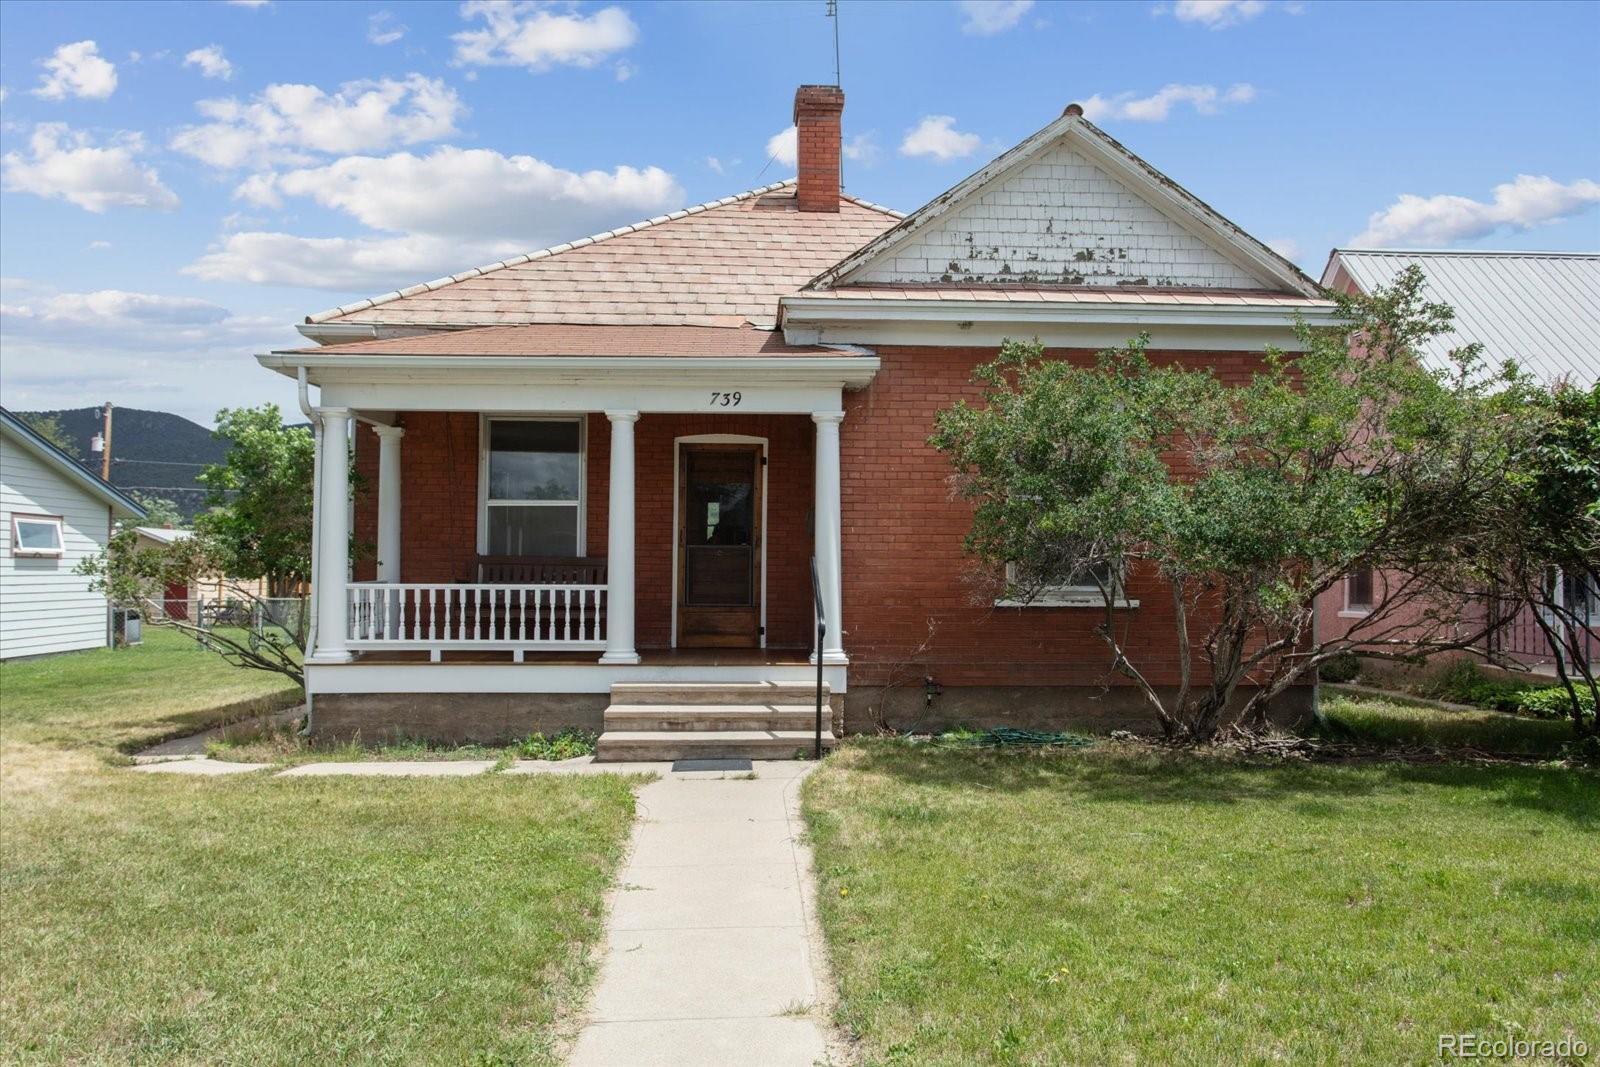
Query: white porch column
389	521
388	502
333	539
829	538
619	543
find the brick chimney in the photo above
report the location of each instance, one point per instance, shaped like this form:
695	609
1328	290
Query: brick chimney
817	111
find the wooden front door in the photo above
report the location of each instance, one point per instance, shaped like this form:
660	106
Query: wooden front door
719	546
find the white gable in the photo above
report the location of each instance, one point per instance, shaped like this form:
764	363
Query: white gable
1056	218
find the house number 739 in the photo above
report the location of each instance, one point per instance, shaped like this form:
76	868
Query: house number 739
726	400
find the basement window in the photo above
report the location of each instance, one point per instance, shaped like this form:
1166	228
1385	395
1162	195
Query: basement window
37	535
533	487
1358	592
1082	591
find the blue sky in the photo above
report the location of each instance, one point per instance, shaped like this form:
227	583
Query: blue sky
183	181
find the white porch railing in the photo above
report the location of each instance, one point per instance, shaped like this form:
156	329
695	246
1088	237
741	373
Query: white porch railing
440	616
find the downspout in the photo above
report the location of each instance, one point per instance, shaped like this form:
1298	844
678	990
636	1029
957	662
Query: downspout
314	415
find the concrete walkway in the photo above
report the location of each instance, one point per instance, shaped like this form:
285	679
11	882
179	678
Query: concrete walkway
712	953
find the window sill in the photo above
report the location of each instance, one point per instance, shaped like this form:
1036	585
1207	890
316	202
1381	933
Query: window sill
1349	613
1067	602
38	553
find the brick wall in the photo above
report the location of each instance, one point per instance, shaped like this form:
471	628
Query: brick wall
910	608
439	500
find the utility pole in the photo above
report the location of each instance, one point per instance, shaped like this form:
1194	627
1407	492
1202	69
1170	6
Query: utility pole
105	454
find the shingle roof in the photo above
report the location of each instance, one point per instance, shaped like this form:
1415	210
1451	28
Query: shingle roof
551	339
719	264
1540	308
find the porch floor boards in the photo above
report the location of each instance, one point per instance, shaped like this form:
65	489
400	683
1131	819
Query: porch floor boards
686	657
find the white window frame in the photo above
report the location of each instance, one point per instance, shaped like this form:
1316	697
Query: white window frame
1357	611
484	503
58	522
1066	596
1559	578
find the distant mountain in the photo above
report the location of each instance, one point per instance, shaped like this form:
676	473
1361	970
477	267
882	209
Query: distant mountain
152	452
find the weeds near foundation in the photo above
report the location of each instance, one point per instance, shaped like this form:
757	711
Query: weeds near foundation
563	745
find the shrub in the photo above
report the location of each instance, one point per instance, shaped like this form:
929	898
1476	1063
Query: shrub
1549	702
1344	667
565	744
1462	683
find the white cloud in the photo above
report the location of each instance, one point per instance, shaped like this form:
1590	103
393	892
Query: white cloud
383	29
625	70
1287	247
77	70
359	264
538	36
249	3
450	209
784	147
285	123
1437	221
937	136
474	194
66	164
714	163
1216	14
99	246
863	148
141	349
1205	99
988	17
211	61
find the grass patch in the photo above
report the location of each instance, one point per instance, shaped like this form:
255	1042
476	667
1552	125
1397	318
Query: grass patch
119	700
1394	722
285	746
1114	904
181	921
156	919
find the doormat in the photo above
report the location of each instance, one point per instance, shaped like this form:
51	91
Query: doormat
711	765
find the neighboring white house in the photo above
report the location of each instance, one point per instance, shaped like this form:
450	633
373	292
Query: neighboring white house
53	514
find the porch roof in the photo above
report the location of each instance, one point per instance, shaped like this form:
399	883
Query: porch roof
558	340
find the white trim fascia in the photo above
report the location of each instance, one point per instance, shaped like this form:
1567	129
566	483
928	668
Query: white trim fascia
339	333
984	323
850	371
476	678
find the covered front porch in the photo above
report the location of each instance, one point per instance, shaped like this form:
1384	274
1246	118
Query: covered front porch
531	525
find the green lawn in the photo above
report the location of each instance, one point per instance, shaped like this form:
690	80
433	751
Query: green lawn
1391	722
1113	905
174	920
119	699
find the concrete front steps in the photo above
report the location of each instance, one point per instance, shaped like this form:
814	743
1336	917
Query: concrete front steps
649	721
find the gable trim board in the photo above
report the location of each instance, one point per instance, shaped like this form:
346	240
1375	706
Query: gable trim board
1157	190
65	465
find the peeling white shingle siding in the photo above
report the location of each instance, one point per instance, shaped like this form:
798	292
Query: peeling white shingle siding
1058	219
44	606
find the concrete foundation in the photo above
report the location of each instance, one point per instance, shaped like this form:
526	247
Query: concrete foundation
488	718
454	718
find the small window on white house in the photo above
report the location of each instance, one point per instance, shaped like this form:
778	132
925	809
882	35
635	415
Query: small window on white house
1358	590
36	535
534	498
1084	589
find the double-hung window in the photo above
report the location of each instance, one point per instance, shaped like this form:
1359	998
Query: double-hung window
1084	589
36	535
1359	587
533	496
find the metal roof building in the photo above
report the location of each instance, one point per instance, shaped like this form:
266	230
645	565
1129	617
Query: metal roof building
1541	309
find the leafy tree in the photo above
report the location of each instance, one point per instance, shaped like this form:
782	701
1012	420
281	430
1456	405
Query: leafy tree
260	499
158	510
1537	543
246	629
1245	501
49	427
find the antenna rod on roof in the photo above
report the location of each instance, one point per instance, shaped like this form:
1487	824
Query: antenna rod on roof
838	83
833	13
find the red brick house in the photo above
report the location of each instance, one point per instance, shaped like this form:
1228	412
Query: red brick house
609	464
